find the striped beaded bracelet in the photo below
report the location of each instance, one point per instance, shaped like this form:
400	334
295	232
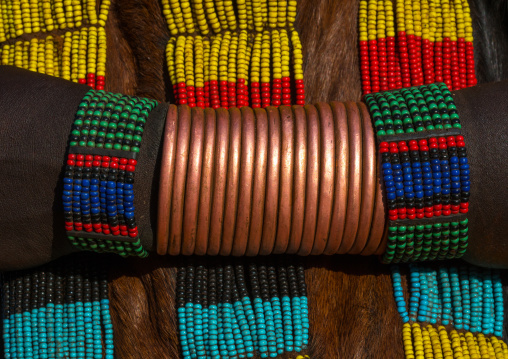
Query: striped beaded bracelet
425	172
98	195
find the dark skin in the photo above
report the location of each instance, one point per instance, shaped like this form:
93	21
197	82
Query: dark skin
36	113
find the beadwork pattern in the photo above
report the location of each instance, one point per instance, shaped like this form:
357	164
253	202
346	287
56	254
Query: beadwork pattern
436	241
425	173
98	196
56	311
225	55
426	179
422	110
429	342
407	43
465	296
78	55
224	312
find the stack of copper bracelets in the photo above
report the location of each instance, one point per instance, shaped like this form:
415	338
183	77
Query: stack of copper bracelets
425	173
298	180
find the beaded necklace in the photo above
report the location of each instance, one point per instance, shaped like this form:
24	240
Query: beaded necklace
57	310
78	55
434	44
260	56
225	312
467	297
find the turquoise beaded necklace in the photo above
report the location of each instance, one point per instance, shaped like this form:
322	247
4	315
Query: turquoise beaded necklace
466	296
49	313
237	311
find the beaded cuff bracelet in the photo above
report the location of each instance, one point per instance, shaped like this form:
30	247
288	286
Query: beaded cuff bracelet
425	172
98	196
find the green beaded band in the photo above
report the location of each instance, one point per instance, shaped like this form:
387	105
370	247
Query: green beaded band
425	172
427	110
436	241
98	196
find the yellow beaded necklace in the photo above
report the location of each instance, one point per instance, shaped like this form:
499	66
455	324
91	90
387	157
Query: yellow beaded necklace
79	55
252	44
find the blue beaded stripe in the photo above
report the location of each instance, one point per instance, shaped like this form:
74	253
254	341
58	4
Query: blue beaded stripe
47	329
467	297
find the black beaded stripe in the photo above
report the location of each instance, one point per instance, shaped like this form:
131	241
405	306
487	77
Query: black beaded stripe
102	152
59	282
212	284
